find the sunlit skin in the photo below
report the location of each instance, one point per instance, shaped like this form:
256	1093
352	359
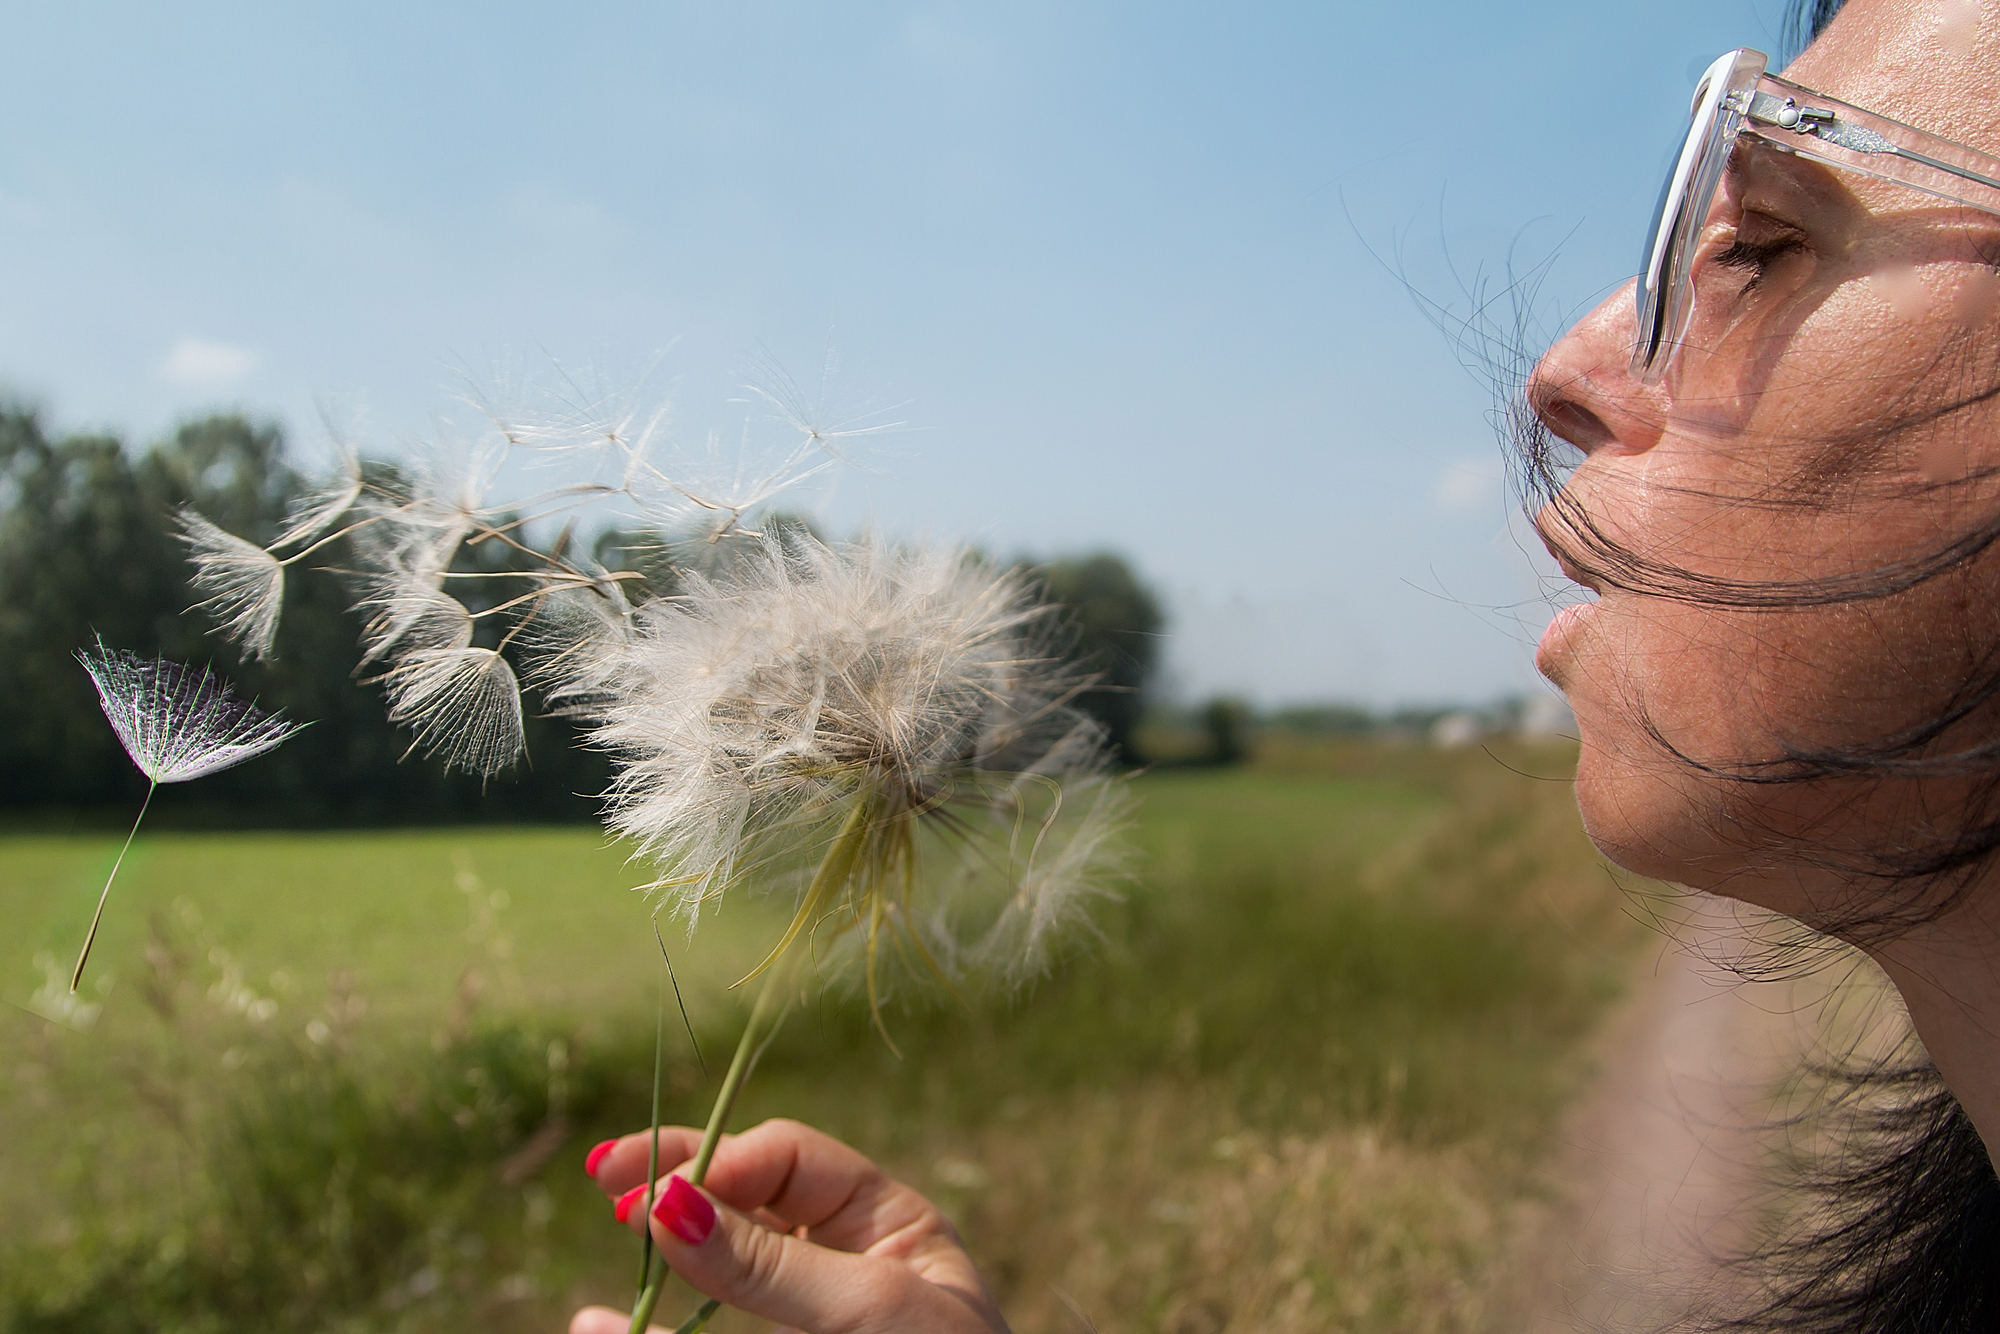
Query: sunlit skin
1873	304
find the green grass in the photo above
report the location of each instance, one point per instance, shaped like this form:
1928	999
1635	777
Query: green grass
344	1081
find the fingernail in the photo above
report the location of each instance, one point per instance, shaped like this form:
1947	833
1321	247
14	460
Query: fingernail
685	1212
592	1161
623	1209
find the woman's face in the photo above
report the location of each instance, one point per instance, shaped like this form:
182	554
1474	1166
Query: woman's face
1810	428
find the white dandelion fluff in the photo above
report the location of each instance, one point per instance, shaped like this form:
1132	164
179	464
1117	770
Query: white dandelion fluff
407	614
245	584
462	704
568	639
177	724
906	698
325	505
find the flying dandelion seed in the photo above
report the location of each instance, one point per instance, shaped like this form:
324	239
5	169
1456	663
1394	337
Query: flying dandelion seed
245	583
409	527
177	724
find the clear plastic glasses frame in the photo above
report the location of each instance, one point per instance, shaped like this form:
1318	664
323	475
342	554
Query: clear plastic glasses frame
1737	97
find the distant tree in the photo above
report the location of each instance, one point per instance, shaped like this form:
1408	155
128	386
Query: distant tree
1340	720
1228	722
1117	622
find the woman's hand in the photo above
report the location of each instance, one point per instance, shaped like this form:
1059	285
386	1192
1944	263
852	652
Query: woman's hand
796	1227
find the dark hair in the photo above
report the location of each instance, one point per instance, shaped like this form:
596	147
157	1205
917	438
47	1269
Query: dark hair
1896	1230
1808	19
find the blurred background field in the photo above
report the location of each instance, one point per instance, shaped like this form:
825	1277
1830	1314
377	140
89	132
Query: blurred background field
1307	1079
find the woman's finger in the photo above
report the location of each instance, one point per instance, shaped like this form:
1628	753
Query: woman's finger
604	1320
786	1173
617	1165
783	1278
809	1179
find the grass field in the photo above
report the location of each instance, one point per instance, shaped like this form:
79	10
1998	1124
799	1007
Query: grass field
346	1081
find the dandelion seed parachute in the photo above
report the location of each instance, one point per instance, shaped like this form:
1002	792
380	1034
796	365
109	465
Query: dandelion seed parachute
408	615
463	704
245	584
178	723
321	508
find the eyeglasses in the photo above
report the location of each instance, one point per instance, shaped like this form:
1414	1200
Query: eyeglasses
1736	99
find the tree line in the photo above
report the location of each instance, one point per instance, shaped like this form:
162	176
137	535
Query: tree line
88	551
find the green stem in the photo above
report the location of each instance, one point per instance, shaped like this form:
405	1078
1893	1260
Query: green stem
697	1322
649	1287
747	1051
834	870
98	916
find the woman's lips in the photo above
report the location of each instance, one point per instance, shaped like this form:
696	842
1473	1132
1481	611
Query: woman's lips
1555	642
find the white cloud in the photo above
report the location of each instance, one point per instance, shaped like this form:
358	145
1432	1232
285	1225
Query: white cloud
1468	483
198	363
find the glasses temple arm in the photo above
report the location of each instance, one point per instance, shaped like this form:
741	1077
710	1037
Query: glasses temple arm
1828	127
1963	173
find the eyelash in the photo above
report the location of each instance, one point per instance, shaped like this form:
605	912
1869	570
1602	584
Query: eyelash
1756	257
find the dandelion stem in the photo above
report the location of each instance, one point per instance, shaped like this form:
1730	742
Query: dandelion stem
649	1287
697	1322
748	1048
98	916
747	1051
834	869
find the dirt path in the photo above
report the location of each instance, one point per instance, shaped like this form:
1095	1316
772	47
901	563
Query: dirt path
1661	1156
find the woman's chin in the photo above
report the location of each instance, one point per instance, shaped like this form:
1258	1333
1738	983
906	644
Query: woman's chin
1643	818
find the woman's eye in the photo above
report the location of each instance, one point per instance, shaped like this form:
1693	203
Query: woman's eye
1757	249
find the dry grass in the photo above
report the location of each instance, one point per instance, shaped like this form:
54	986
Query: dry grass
1151	1212
1306	1082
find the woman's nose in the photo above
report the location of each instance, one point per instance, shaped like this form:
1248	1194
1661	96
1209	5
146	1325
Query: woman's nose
1583	388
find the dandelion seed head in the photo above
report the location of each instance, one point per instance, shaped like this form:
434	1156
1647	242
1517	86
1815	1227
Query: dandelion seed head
752	713
177	722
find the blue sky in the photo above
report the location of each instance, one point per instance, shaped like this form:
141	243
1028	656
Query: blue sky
1118	266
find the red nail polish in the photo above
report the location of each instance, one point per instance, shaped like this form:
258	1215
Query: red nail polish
596	1157
623	1209
685	1212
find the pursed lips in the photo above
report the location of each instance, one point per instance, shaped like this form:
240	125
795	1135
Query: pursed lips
1548	652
